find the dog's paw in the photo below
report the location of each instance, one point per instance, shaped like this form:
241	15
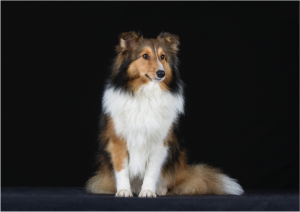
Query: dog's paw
162	191
124	193
147	193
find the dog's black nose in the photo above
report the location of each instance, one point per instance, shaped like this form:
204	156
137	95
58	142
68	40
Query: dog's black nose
160	73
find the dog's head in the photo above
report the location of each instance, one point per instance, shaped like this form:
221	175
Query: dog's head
141	60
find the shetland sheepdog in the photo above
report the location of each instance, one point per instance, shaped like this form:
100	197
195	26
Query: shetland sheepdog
140	148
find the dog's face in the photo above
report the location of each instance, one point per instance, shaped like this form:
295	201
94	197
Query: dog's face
150	62
142	60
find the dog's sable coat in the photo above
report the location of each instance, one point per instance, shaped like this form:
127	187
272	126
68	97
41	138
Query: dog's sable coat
140	150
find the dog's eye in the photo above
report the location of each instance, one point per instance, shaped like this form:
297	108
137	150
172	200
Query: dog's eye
162	57
146	56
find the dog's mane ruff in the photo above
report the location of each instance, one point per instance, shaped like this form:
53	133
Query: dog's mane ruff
142	119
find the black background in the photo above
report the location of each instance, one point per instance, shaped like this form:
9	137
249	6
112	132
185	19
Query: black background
239	61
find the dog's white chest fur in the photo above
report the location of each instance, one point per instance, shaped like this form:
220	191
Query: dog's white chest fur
143	120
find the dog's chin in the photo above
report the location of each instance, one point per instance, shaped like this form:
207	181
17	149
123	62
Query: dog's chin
156	79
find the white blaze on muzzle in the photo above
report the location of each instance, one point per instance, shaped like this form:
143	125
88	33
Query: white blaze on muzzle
160	68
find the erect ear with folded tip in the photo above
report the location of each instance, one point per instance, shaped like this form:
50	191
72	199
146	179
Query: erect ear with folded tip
129	39
169	40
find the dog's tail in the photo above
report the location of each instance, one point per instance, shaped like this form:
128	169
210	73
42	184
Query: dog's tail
202	179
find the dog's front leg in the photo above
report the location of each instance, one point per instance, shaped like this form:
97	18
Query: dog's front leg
123	183
153	171
119	156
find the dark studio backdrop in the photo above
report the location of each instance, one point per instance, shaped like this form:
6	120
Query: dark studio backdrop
239	61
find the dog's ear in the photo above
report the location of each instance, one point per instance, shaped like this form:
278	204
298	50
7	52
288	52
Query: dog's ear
128	40
169	40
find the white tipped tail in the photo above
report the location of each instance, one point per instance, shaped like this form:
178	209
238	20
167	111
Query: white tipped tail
202	179
230	186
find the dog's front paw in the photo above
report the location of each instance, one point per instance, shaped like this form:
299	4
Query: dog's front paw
147	193
124	193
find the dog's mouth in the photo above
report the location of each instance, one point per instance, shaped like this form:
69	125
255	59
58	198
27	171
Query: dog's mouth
156	79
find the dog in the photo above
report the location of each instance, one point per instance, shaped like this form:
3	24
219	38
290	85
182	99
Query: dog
140	149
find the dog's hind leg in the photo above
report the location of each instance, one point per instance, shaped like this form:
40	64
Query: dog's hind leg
101	183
